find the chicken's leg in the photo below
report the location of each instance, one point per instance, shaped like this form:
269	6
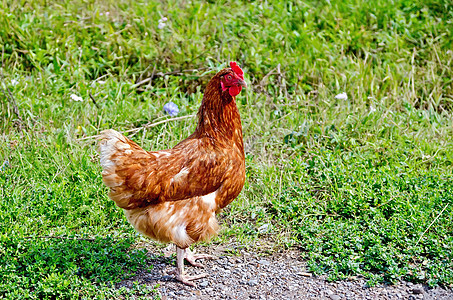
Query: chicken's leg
180	274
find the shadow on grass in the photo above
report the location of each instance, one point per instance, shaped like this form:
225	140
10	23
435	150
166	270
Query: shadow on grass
155	272
53	266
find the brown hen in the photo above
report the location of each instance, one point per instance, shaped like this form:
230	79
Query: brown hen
173	195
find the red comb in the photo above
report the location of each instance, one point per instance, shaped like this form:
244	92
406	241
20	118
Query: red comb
234	66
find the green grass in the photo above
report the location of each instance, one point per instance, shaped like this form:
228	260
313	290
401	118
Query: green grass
360	186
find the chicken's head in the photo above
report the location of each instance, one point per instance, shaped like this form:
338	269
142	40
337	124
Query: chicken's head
233	79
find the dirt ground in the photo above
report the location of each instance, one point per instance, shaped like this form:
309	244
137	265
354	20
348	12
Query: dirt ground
282	275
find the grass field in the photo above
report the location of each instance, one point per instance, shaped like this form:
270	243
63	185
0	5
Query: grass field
360	186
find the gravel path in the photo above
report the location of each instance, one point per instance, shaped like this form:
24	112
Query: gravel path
279	276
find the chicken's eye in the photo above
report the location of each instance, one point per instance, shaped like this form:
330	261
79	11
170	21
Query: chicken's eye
229	77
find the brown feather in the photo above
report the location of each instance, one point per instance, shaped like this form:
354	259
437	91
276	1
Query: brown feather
172	195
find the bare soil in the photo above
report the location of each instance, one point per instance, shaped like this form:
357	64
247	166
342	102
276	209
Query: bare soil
280	275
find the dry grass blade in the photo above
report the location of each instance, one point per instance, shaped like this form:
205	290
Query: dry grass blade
161	74
59	237
94	100
434	221
142	127
11	99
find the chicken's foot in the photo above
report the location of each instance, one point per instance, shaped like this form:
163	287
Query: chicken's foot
180	274
191	257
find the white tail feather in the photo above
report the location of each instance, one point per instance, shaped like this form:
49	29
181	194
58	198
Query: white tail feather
111	142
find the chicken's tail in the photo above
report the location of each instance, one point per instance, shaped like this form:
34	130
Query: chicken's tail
112	145
119	156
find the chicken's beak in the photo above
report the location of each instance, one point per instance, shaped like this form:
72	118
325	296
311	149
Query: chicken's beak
242	83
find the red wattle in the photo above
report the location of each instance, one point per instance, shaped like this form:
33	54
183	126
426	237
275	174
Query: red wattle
235	90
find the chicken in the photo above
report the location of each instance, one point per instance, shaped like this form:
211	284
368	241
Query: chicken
173	195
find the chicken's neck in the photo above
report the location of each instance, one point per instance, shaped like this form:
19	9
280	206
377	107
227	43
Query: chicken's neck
218	116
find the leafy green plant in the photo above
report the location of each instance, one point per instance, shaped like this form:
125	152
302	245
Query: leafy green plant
361	185
62	268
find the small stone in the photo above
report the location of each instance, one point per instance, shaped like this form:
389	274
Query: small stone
334	297
264	262
305	274
417	291
252	282
263	228
204	284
